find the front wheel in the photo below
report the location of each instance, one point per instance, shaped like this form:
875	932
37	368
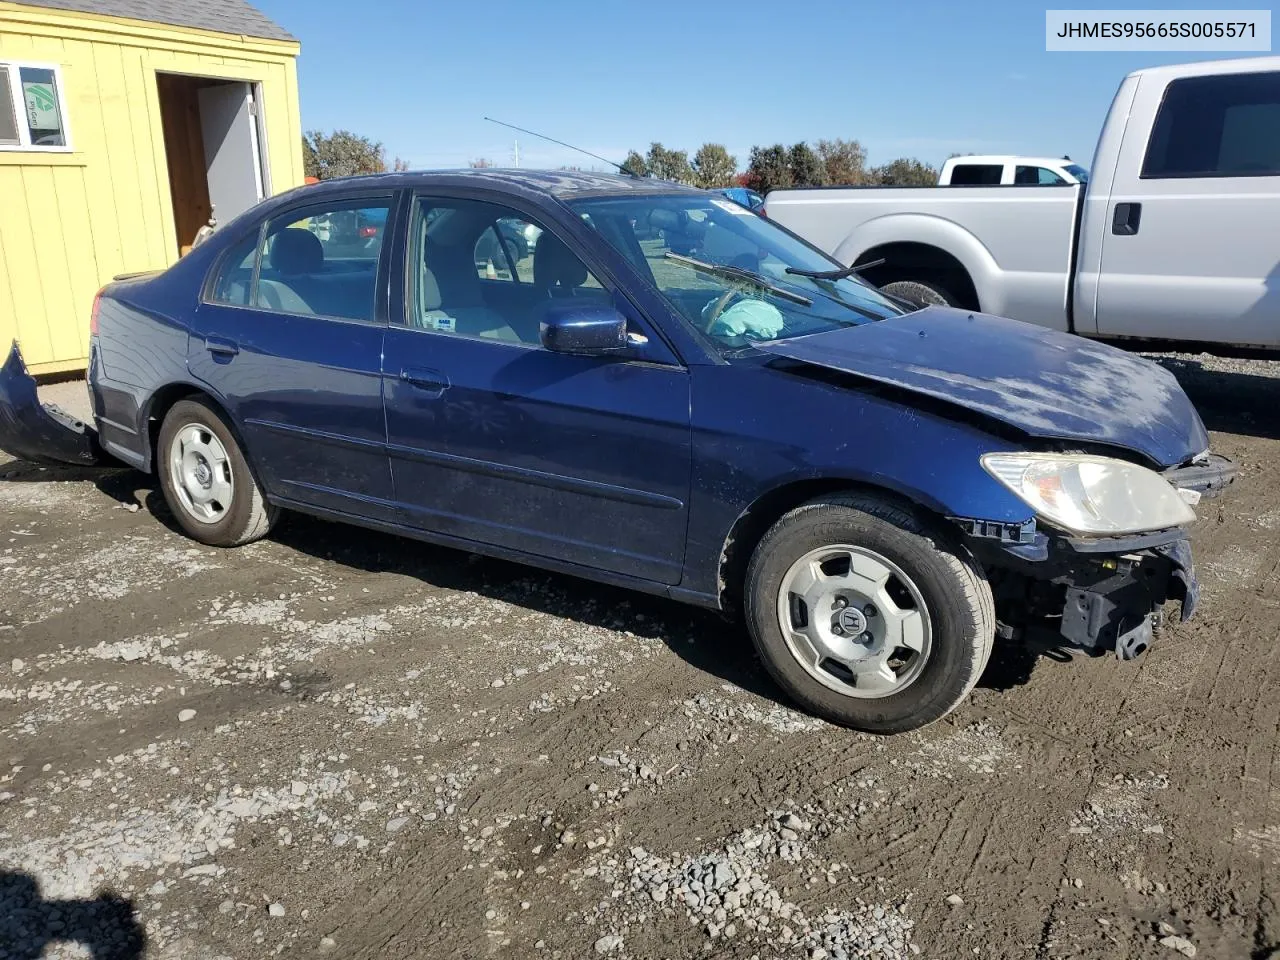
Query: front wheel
206	480
867	616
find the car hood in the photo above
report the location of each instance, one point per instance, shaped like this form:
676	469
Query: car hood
1047	384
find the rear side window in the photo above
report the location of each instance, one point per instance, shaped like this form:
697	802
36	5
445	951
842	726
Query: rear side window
976	174
320	260
1218	126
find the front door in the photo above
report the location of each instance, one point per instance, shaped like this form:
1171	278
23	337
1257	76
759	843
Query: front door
497	440
1188	241
289	336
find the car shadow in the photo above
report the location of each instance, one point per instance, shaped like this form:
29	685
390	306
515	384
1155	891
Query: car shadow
1229	401
705	640
107	926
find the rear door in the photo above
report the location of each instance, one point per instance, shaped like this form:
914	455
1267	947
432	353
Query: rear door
1189	243
289	336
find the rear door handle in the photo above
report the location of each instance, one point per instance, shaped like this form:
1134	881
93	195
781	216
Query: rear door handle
431	382
1127	219
220	347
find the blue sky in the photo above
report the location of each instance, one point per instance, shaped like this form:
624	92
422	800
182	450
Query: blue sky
922	79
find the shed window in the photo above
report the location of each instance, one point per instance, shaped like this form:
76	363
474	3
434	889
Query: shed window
32	108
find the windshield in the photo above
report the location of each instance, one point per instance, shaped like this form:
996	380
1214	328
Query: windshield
724	268
1077	171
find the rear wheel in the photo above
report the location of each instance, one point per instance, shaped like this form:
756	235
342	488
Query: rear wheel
926	294
867	616
206	480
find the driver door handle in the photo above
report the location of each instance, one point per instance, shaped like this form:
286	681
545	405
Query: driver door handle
431	382
1127	219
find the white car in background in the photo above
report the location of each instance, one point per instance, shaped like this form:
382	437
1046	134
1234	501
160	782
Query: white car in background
992	171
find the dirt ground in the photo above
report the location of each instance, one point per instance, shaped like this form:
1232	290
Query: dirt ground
339	743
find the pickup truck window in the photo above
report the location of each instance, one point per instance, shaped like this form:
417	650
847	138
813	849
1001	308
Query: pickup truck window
1041	176
724	269
1226	125
976	174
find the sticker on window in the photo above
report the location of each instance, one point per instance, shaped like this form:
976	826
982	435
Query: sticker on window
443	324
728	206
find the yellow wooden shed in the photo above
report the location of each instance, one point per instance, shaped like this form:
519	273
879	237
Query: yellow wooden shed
126	125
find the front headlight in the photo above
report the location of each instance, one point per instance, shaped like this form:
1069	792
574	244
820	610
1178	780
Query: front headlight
1090	495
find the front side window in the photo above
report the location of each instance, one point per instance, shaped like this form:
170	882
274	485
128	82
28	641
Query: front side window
321	260
725	270
480	270
1040	176
1217	126
31	111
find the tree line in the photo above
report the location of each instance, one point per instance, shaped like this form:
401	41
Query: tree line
826	163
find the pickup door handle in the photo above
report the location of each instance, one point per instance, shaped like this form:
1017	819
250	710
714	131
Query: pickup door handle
431	382
220	348
1127	219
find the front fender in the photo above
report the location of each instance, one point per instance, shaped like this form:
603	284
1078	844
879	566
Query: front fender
39	432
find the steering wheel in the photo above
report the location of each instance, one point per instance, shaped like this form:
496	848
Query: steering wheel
721	303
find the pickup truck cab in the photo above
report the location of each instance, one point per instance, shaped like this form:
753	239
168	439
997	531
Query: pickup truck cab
991	171
1171	239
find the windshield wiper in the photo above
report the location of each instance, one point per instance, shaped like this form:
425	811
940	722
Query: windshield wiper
738	273
835	274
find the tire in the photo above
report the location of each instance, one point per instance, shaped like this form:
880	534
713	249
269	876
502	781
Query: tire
196	444
930	294
933	584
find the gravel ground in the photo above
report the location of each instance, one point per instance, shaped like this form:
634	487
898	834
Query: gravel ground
339	743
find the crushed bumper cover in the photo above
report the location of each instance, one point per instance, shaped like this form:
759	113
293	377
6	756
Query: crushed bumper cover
41	433
1208	476
1103	593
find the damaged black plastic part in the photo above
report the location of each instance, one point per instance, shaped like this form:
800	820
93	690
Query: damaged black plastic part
1207	477
41	433
1104	595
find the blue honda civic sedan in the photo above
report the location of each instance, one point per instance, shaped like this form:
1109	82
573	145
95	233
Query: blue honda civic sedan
667	392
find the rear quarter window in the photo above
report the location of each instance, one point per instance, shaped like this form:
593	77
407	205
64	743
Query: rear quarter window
233	279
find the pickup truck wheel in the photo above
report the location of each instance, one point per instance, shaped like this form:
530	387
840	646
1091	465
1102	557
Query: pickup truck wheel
206	480
929	294
867	616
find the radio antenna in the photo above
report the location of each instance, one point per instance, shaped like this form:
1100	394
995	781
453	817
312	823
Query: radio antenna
621	168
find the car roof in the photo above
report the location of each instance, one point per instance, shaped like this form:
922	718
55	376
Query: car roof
1202	68
1010	158
561	184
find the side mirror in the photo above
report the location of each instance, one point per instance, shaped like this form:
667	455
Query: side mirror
587	329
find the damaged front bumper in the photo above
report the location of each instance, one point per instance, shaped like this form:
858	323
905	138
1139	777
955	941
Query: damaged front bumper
40	432
1100	594
1103	595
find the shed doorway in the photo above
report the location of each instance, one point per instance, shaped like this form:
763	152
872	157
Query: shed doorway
213	149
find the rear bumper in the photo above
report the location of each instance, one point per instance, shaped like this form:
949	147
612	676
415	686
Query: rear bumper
41	433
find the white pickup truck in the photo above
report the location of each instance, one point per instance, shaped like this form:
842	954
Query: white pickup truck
1175	237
